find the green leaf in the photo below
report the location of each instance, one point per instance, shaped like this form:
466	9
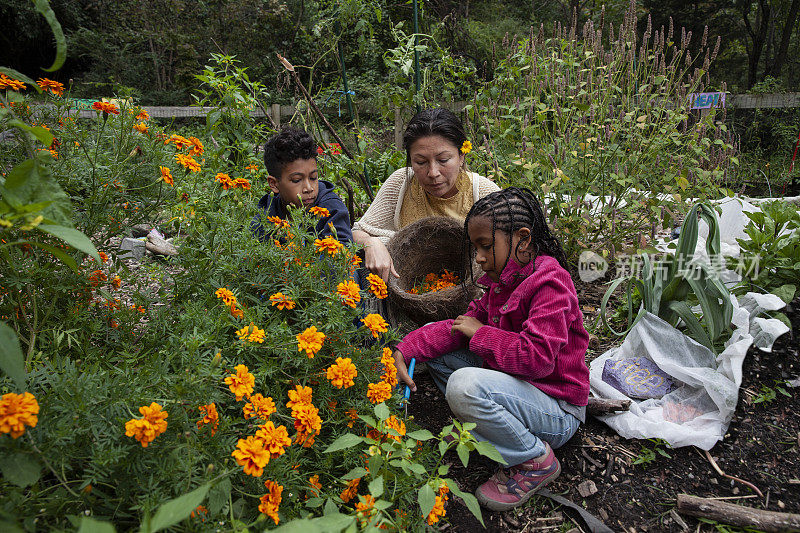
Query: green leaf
12	362
44	136
43	7
72	237
426	499
330	507
218	496
376	487
21	173
333	523
487	449
463	453
355	473
371	422
304	525
21	469
470	500
785	292
32	182
20	76
90	525
382	411
348	440
177	510
59	254
420	434
693	325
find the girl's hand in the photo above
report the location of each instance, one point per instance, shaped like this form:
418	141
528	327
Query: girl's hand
467	325
378	260
402	370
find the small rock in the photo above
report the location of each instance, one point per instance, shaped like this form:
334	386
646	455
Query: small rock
714	481
614	478
735	491
587	488
140	230
781	505
603	514
131	249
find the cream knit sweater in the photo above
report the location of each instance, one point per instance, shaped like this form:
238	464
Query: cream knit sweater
382	219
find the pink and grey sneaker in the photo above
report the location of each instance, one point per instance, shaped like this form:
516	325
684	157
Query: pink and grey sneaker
511	487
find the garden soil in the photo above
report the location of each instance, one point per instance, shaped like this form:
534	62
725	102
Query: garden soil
762	446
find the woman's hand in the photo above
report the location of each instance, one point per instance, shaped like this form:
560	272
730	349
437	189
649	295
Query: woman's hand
402	370
378	260
467	325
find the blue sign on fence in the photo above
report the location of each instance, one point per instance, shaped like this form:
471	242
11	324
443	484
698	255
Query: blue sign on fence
707	100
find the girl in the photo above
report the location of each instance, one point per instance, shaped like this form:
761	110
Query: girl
514	363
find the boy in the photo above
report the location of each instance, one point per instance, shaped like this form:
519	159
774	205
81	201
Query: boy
291	161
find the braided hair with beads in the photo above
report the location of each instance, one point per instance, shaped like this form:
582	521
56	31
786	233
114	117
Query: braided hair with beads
512	209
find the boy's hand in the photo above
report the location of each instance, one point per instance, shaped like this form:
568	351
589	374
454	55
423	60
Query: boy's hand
378	260
402	370
467	325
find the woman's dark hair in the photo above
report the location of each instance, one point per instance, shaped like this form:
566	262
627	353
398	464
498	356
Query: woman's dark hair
289	145
439	121
512	209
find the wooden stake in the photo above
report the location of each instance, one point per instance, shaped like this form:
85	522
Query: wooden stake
737	515
604	406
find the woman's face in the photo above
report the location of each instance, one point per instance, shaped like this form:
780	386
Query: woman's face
436	163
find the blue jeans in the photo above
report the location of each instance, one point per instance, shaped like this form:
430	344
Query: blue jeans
513	415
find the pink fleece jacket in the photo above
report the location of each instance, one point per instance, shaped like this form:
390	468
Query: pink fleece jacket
533	330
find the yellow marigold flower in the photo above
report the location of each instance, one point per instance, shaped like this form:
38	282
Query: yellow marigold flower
379	392
50	85
377	286
18	411
299	396
389	374
166	175
187	162
313	481
349	292
225	180
241	383
328	244
197	146
142	115
396	424
281	301
151	425
251	455
274	438
307	423
319	211
438	509
226	296
259	407
244	183
350	491
179	141
466	147
387	358
105	107
342	373
210	417
271	501
375	323
11	83
141	127
310	341
251	333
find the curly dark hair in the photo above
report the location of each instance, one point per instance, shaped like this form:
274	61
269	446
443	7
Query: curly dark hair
438	121
289	145
512	209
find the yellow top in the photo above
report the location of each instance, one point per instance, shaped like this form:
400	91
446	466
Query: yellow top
417	204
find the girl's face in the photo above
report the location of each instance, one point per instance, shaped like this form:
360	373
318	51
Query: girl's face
492	251
436	163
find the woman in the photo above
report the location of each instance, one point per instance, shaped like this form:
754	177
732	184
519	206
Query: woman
435	183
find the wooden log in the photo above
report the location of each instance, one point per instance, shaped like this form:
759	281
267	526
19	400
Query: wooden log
604	406
737	515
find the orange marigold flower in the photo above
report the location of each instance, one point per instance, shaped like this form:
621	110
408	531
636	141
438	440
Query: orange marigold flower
311	341
152	424
396	424
197	146
54	87
105	107
375	323
210	417
271	501
251	333
390	375
141	127
352	415
387	358
355	261
328	244
225	181
179	141
307	423
243	183
226	296
278	222
142	115
281	301
11	83
116	282
18	411
188	162
274	438
241	383
350	491
379	392
349	292
319	211
342	373
259	407
251	455
437	512
237	313
313	481
252	167
377	286
103	257
196	513
299	396
366	506
166	175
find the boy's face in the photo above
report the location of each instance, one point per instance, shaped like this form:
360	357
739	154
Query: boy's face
493	249
298	183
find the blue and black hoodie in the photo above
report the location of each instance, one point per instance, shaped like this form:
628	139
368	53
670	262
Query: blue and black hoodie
271	205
